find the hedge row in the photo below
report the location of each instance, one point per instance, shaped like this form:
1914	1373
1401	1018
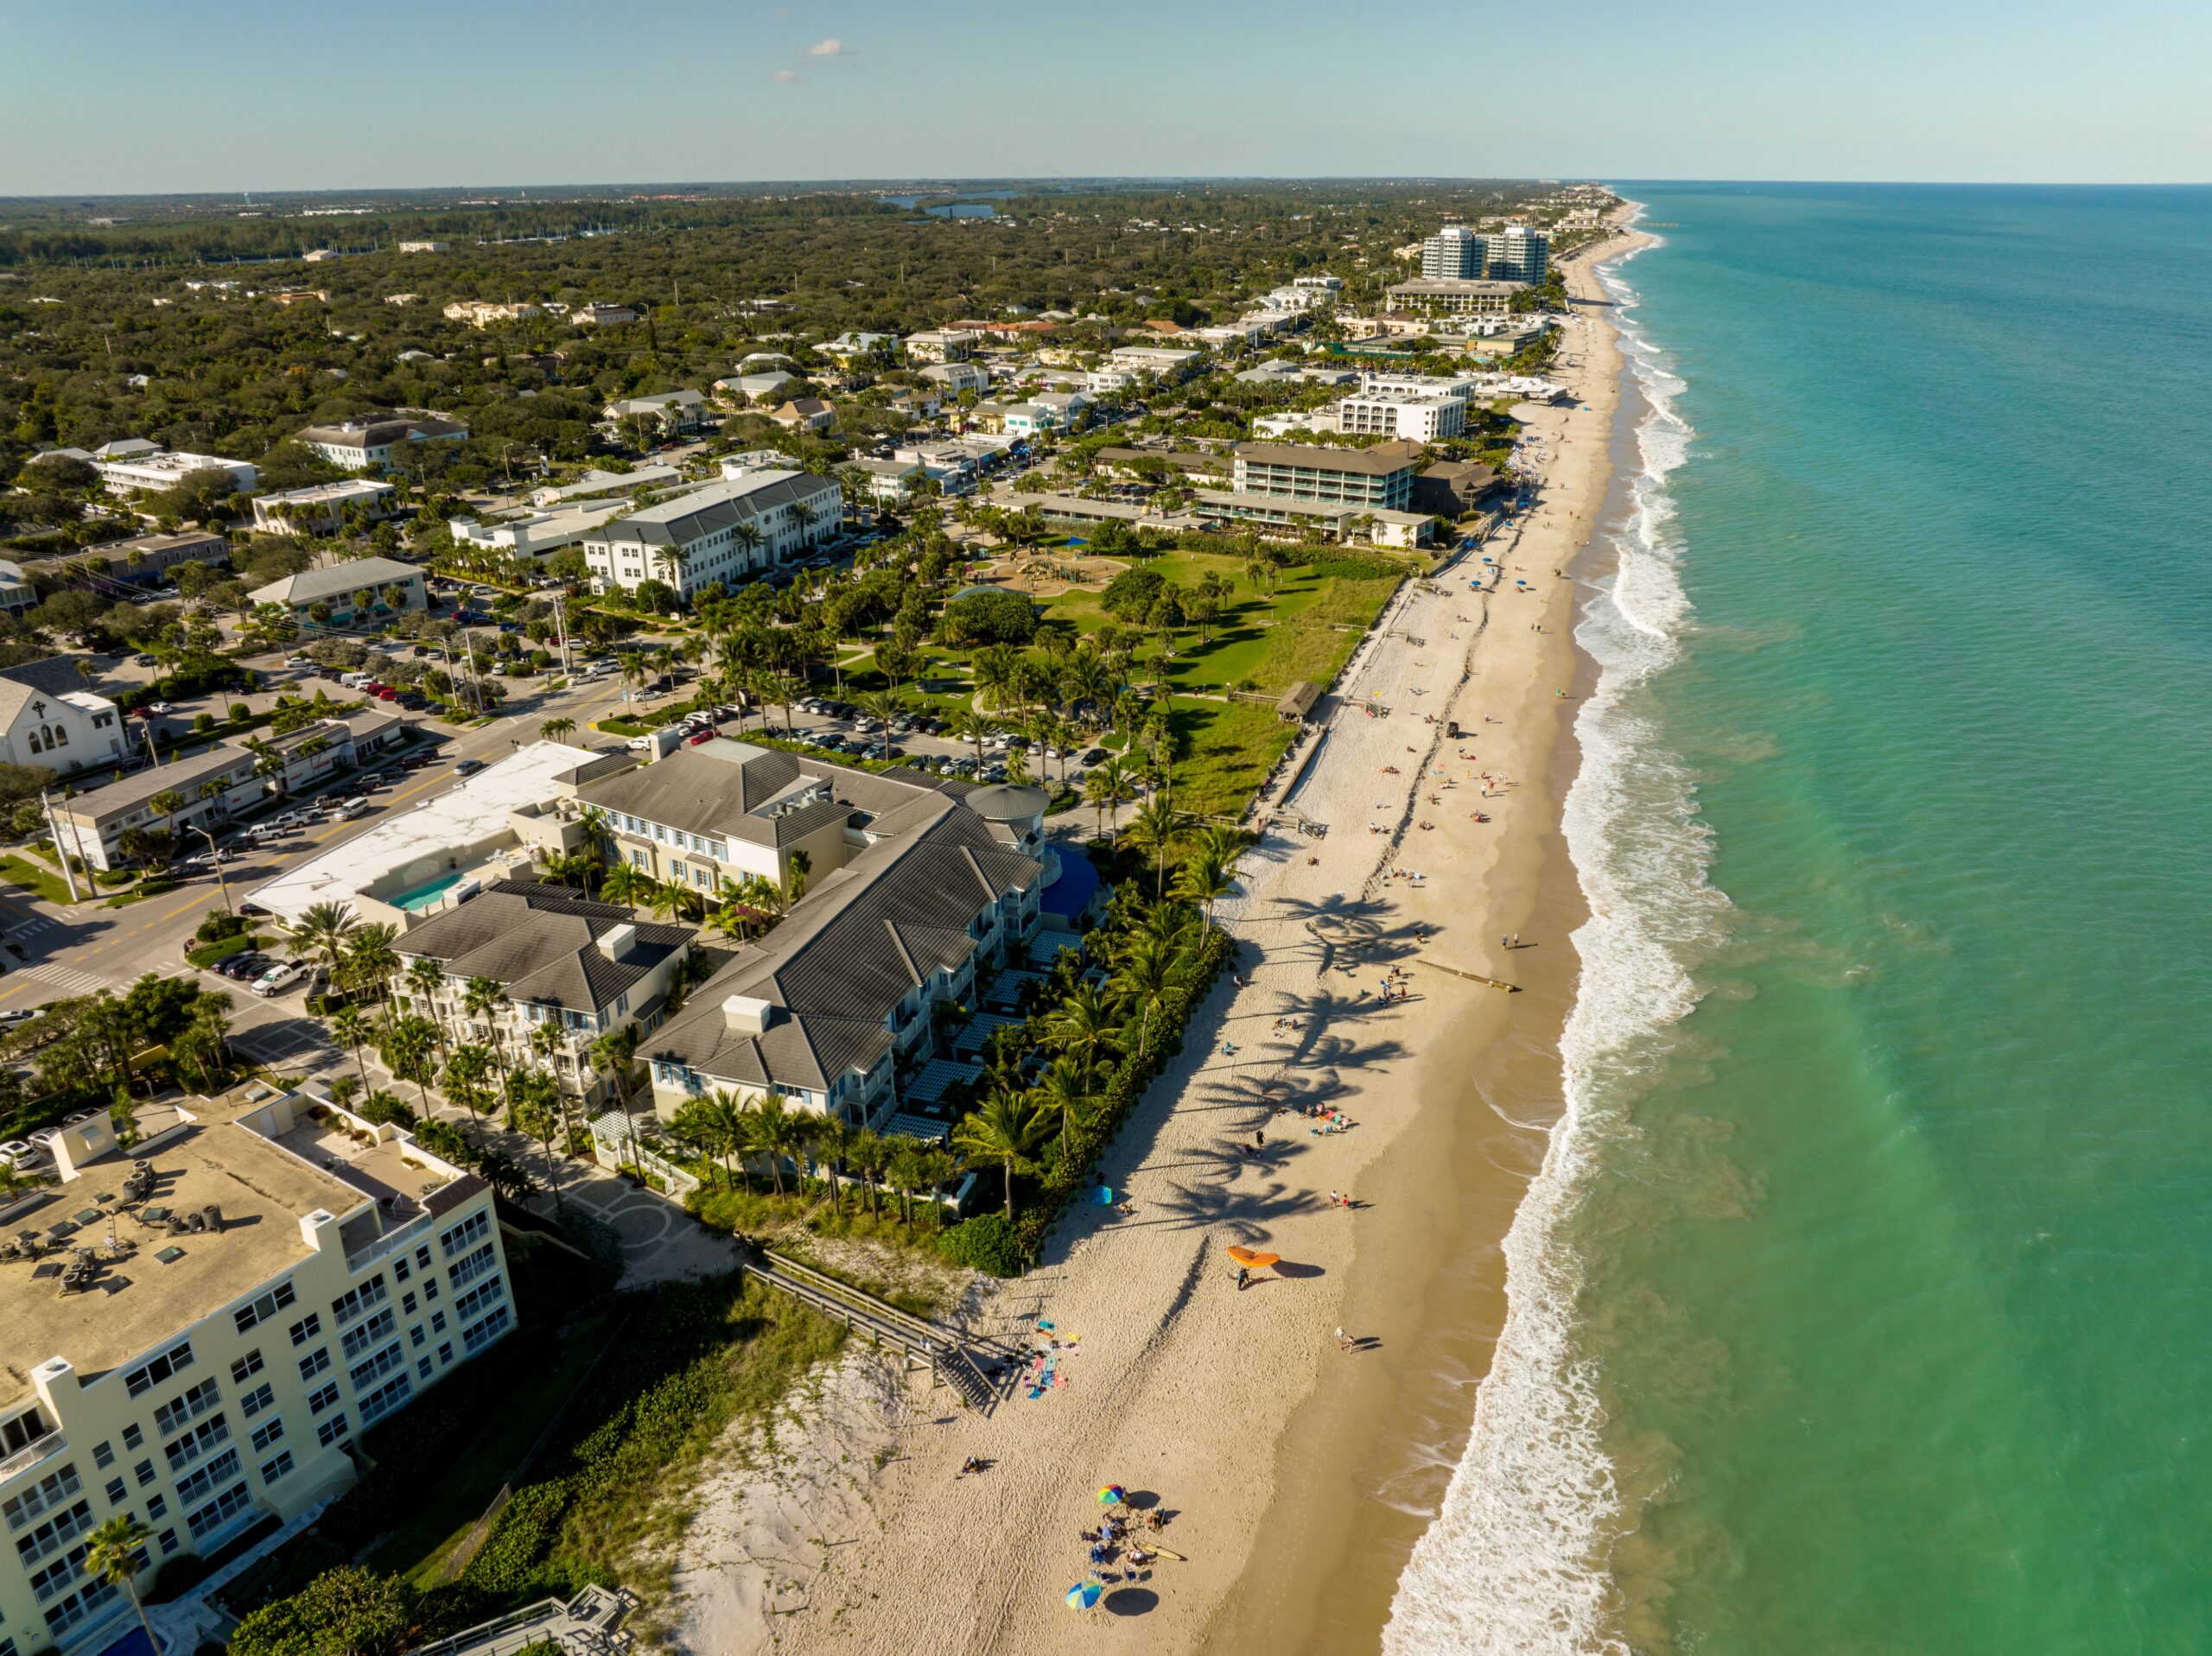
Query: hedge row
1072	1170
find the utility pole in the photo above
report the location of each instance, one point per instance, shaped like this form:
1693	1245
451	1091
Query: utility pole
561	627
53	828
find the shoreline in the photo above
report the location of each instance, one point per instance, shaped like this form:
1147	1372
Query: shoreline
1363	1460
1234	1409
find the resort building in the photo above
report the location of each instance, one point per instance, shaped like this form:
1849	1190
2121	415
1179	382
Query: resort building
935	345
930	883
351	593
580	967
1417	418
1517	254
720	532
1365	478
1454	252
478	313
1312	519
957	377
323	508
198	1328
601	315
49	716
1453	296
367	443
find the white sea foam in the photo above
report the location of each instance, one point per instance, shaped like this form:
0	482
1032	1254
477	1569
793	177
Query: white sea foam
1514	1560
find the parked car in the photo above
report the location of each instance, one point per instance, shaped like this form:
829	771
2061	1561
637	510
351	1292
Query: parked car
346	809
278	978
299	660
19	1152
1096	756
468	767
21	1015
699	736
239	967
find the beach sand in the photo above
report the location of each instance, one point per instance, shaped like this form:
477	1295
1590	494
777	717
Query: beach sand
1274	1453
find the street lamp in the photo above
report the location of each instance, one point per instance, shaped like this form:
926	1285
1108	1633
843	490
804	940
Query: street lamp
215	858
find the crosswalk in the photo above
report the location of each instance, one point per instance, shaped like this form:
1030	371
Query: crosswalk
67	978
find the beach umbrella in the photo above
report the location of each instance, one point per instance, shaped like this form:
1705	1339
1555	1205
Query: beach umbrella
1111	1495
1084	1595
1245	1256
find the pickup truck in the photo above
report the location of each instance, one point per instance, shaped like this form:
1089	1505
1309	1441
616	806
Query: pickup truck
279	978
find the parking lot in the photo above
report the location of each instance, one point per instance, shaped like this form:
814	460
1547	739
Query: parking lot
844	729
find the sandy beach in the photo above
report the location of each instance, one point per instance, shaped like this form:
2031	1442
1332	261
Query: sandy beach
1296	1473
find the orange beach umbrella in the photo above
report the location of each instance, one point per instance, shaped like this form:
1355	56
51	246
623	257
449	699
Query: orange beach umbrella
1246	1256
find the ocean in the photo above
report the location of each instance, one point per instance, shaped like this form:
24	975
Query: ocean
1859	1305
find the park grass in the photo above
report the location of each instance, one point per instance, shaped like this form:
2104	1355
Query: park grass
29	877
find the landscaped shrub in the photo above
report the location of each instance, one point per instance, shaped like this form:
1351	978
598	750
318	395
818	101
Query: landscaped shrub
985	1243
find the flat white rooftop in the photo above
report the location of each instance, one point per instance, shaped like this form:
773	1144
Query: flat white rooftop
472	814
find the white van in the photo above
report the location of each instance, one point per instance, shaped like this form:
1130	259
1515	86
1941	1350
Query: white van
355	680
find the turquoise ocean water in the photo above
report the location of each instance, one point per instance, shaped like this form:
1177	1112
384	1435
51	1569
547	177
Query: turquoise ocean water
1862	1305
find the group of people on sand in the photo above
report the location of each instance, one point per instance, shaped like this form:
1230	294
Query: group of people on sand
1116	1553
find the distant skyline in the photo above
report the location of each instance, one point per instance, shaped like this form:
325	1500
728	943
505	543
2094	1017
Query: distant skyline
136	97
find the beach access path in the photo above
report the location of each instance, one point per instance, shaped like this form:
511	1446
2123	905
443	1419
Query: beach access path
1176	1383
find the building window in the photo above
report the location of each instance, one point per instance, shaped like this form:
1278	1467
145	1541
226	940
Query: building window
386	1398
355	1301
246	1368
330	1430
476	1298
484	1259
445	1353
55	1533
262	1309
307	1327
194	1403
157	1504
475	1338
152	1372
323	1397
168	1545
315	1362
49	1491
223	1467
401	1270
103	1453
272	1432
219	1511
256	1400
279	1468
467	1234
377	1327
415	1336
438	1321
408	1303
200	1440
143	1472
117	1492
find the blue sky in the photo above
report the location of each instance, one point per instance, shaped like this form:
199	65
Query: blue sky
136	97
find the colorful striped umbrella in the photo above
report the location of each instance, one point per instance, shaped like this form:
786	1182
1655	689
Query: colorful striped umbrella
1084	1595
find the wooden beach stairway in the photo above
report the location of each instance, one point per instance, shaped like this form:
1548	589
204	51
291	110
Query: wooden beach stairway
918	1340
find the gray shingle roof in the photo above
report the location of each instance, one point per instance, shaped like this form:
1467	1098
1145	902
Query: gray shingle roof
855	946
712	788
354	575
698	513
542	944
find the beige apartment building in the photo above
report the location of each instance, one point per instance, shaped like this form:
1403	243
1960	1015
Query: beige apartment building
195	1329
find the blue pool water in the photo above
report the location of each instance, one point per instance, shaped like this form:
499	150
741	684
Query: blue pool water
424	895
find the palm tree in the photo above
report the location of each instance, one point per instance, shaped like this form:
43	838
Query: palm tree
903	1167
482	997
370	958
1002	1134
830	1141
532	1099
627	886
169	801
406	1049
614	1053
934	1168
722	1113
774	1130
1108	788
425	978
868	1150
746	536
885	705
323	930
1156	828
1064	1090
116	1553
466	1079
351	1026
966	725
1201	880
1085	1022
1145	968
554	730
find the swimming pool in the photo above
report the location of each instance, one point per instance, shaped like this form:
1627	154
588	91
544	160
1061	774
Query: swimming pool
424	895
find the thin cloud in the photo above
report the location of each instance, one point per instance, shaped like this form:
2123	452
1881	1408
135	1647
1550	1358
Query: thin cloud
787	76
832	48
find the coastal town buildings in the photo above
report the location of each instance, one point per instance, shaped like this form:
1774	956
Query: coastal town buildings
366	442
720	532
662	414
325	508
222	1308
1455	251
1453	296
1517	253
50	715
346	594
143	471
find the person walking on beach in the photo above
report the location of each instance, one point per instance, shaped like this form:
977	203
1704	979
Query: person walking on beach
1343	1340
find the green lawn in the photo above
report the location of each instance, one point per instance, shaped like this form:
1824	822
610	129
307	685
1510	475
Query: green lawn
31	878
1266	641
